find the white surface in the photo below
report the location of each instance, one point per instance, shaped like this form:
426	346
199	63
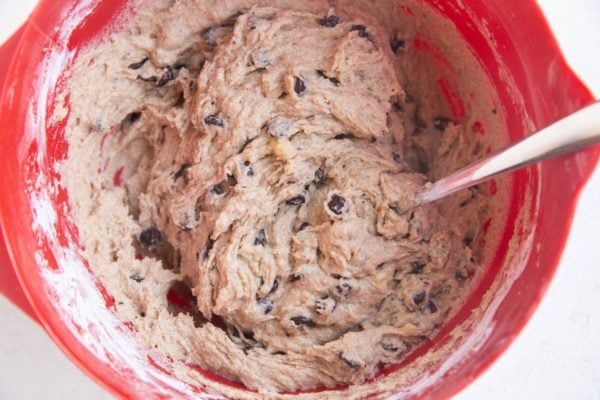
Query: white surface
556	357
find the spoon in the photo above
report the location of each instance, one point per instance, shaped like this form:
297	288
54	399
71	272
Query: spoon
578	130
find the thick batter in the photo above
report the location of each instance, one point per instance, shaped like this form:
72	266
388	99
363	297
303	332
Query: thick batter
265	156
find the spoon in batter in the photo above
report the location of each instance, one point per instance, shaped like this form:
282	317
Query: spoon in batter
578	130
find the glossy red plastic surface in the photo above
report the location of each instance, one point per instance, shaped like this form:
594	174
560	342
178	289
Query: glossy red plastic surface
548	90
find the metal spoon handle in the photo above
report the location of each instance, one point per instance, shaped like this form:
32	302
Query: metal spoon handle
572	133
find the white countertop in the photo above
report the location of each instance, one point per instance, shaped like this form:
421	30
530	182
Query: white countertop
556	357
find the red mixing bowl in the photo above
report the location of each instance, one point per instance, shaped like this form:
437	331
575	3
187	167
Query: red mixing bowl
535	86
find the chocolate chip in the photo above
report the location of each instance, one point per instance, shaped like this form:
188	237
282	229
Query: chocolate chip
182	172
233	331
214	120
295	278
296	201
336	276
361	29
266	305
209	246
138	65
274	287
419	298
166	77
468	240
250	172
336	204
218	189
137	278
349	362
389	347
319	177
416	267
279	353
133	117
325	304
150	237
343	136
441	123
343	290
261	238
432	307
303	321
248	335
299	86
331	21
332	80
397	158
397	45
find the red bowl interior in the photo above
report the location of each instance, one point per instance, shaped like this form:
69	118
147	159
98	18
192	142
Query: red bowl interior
39	239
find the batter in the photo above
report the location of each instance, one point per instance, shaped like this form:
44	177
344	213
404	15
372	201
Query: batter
242	176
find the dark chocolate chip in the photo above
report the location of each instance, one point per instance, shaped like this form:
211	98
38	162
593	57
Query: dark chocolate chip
250	172
299	86
343	290
150	237
209	246
397	158
137	278
319	177
325	304
248	335
332	80
303	226
468	240
349	362
389	347
336	204
416	267
247	348
274	287
343	136
441	123
234	332
296	201
266	305
214	120
361	29
336	276
432	307
182	172
133	117
295	278
261	238
166	77
331	21
419	298
218	189
303	321
398	45
138	65
279	353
